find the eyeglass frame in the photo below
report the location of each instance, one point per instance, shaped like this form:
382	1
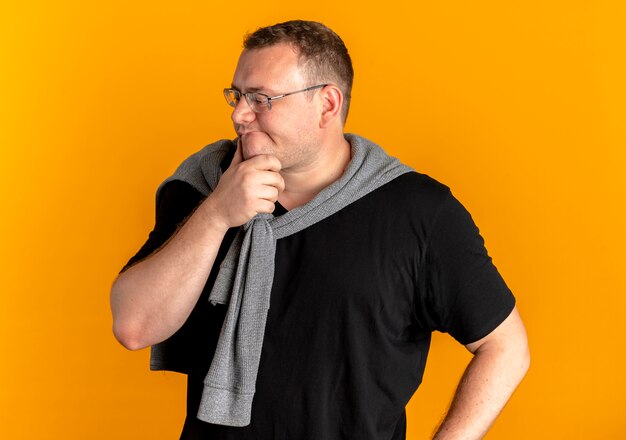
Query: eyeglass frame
267	105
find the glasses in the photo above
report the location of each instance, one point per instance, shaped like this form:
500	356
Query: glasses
260	102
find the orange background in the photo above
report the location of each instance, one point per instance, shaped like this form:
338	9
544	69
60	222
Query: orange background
518	106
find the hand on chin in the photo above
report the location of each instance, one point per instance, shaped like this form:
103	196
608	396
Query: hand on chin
255	143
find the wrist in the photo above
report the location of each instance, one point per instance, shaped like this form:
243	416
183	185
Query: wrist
213	215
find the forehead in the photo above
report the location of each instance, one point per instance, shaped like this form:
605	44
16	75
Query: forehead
268	69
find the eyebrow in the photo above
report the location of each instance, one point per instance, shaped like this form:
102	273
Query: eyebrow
262	90
251	89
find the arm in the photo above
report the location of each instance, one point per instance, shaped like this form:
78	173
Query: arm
151	300
500	361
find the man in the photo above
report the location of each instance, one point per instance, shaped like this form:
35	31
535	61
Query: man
296	273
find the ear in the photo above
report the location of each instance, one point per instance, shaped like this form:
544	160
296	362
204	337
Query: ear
332	102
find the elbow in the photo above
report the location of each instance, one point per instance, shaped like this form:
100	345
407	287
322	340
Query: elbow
525	360
520	368
518	361
522	353
127	328
128	336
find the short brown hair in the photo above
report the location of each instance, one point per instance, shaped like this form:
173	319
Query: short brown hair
322	52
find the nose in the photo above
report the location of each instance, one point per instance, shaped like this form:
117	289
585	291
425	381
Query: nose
242	113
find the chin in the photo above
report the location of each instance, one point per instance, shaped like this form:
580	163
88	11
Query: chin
255	143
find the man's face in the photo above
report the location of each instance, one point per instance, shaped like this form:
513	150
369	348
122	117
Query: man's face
290	129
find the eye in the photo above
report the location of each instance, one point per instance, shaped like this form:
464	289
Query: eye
259	98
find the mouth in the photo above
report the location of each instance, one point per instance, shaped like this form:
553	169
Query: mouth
243	133
242	129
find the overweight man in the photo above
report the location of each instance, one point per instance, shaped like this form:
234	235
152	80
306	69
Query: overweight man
295	274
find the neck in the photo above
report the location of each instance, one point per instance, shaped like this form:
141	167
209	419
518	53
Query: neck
303	184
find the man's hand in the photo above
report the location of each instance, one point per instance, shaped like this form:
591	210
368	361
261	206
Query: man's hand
247	188
151	300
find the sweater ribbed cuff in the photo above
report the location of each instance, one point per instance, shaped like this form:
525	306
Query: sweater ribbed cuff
225	407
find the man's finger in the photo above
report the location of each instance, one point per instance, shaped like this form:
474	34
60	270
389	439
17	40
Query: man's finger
238	157
273	179
266	162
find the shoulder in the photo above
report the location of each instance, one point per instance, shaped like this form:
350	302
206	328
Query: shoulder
218	149
176	200
416	184
414	193
203	169
178	193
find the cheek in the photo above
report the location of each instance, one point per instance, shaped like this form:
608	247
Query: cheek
297	125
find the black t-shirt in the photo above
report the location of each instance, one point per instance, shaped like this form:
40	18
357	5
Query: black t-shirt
354	300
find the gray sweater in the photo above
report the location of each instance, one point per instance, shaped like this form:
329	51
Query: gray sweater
244	281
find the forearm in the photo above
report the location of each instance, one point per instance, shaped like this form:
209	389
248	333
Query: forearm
153	298
495	371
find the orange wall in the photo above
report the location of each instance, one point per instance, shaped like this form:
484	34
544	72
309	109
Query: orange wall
518	106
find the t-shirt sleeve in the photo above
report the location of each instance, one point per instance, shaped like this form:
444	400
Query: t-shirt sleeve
463	292
177	200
